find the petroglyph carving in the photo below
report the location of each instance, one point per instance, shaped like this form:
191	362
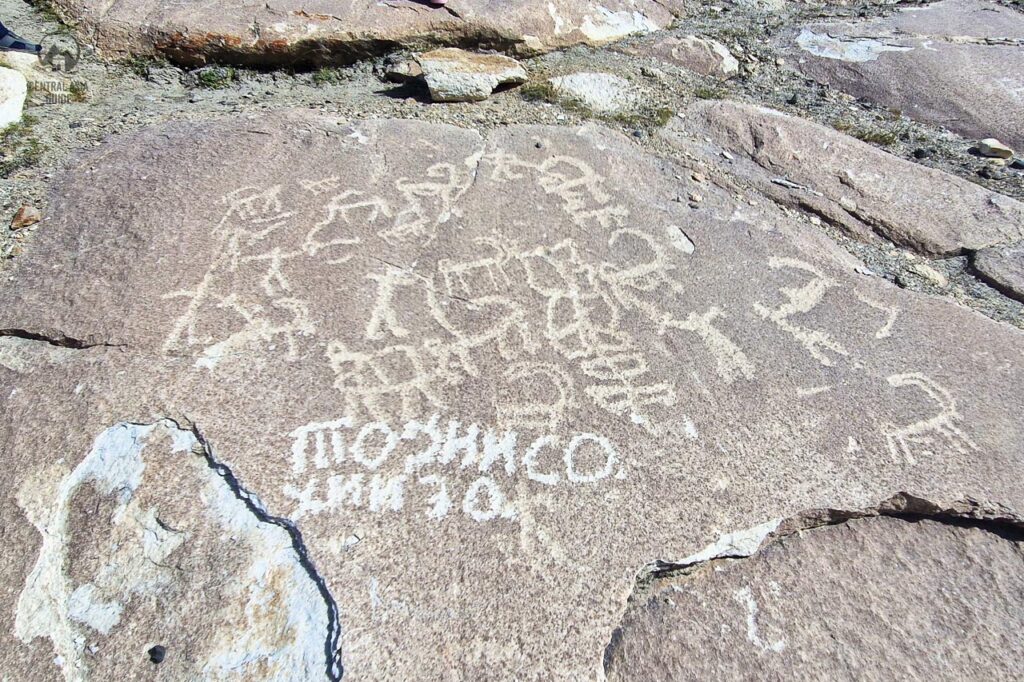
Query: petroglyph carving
376	468
398	378
583	324
254	243
259	315
318	187
891	312
570	179
427	201
631	282
730	361
802	300
550	392
340	209
927	435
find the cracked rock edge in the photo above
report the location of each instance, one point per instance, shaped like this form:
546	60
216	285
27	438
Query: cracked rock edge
47	607
744	544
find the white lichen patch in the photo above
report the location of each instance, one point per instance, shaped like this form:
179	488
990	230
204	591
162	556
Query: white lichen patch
605	25
845	49
740	543
274	621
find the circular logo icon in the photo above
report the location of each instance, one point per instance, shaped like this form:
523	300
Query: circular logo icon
60	52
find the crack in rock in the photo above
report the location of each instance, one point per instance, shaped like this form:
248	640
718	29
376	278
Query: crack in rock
744	544
58	339
170	549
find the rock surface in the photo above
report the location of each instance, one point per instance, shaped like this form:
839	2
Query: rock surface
848	182
700	55
1002	268
957	63
876	598
462	375
130	537
600	92
13	90
454	75
297	33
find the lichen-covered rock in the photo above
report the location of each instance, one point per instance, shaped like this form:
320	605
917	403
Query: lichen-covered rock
1002	268
957	63
604	93
147	543
700	55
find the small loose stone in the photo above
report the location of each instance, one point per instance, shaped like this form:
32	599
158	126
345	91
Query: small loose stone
993	148
26	215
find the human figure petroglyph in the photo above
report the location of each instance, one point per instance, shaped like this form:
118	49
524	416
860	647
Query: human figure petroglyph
939	430
384	316
802	300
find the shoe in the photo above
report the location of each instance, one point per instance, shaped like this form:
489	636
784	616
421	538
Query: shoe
12	42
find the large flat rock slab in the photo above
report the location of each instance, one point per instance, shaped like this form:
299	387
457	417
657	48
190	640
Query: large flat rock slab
465	388
293	33
955	63
877	598
850	183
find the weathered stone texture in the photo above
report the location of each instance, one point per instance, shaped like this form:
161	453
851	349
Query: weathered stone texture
487	379
957	63
1002	268
293	33
877	598
850	183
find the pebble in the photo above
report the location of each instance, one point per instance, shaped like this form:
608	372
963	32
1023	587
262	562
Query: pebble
992	147
26	215
929	274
